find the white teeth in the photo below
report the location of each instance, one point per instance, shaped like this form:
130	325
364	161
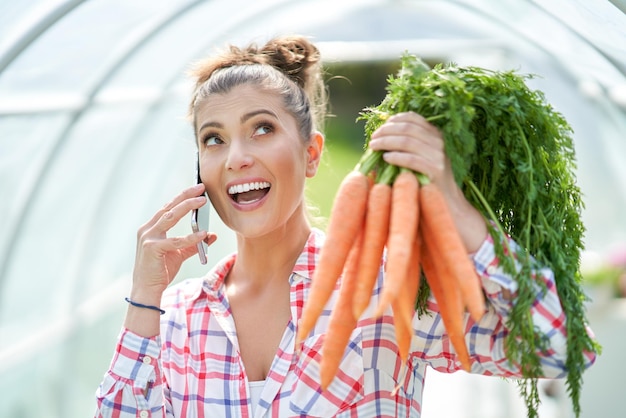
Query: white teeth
246	187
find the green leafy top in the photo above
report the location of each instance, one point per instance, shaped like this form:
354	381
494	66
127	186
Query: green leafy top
513	156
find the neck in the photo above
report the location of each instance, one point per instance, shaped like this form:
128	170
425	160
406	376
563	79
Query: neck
262	260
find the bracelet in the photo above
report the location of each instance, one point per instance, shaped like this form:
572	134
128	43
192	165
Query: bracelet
141	305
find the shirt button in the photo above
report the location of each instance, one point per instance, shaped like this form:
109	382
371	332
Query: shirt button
144	414
146	360
491	270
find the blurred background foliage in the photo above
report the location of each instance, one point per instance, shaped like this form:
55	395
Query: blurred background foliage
351	88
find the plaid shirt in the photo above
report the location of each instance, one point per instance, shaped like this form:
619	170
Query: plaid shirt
193	369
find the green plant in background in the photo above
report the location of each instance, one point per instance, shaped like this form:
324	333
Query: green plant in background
337	161
606	276
351	88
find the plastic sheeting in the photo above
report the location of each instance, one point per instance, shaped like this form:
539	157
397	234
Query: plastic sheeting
93	140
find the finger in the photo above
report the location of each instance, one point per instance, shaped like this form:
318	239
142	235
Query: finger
408	128
188	252
192	250
161	246
415	162
403	116
398	128
190	192
405	137
145	230
397	142
414	118
210	238
159	228
172	216
410	118
410	153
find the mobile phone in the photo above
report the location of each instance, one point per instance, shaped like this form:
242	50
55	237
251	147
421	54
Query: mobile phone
200	217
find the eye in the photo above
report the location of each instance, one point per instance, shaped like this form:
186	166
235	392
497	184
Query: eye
263	128
211	139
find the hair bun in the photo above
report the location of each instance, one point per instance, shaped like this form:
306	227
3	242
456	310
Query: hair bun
295	56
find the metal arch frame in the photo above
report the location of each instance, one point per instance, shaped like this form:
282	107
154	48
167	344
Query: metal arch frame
619	66
35	340
78	259
482	10
32	33
106	74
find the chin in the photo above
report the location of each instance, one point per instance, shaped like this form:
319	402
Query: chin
252	229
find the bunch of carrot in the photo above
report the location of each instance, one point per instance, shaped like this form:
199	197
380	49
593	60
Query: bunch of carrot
380	206
498	134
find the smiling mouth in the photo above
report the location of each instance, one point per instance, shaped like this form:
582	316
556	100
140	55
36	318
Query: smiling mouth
247	193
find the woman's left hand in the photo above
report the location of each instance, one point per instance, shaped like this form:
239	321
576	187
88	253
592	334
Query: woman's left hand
410	141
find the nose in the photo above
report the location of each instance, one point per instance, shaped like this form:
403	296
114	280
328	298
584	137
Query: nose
239	156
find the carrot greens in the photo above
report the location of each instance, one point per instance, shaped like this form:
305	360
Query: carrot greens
513	156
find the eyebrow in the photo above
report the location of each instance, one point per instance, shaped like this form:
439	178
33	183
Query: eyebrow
245	117
254	113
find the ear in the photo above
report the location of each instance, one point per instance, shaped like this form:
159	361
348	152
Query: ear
314	153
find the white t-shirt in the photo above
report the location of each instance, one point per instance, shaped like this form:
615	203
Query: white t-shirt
255	392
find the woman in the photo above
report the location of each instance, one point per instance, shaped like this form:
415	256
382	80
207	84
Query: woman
225	344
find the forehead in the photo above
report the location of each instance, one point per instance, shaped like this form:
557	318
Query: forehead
240	100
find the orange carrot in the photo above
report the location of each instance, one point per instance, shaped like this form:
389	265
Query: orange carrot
403	329
342	322
403	222
447	244
444	289
345	222
404	306
413	276
374	239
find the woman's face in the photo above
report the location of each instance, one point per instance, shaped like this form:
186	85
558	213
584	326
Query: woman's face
253	161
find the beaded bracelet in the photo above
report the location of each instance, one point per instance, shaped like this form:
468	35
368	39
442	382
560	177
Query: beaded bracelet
141	305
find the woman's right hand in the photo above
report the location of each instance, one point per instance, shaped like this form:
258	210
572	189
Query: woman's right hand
159	257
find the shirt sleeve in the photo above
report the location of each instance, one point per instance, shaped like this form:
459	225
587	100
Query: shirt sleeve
133	385
486	339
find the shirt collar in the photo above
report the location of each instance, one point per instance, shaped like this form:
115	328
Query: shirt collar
306	262
304	267
212	282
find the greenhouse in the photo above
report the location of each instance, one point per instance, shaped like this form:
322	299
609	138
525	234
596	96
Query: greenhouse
93	140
